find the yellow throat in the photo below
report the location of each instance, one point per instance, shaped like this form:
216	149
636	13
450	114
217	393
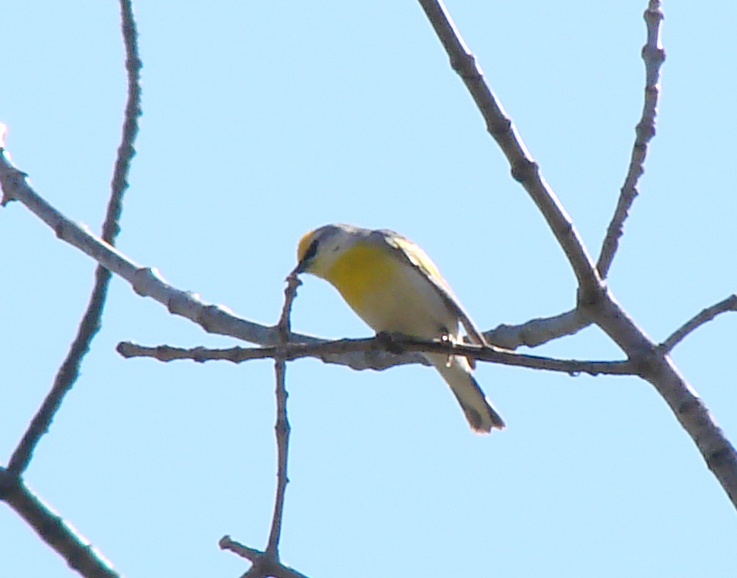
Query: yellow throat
362	271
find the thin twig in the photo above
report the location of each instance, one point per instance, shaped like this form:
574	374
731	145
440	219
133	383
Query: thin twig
57	533
91	320
333	352
728	304
282	427
524	168
126	150
328	349
267	563
654	55
261	562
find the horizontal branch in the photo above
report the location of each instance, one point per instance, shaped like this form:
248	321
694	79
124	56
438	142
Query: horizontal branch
538	331
148	282
728	304
377	344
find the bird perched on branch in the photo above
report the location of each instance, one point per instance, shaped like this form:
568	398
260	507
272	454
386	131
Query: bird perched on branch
394	287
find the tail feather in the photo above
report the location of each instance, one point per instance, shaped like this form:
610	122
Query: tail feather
479	412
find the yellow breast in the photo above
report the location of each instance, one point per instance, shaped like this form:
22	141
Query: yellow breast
360	273
389	295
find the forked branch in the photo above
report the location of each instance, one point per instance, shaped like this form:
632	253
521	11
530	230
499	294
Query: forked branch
53	529
263	565
91	319
267	563
524	168
594	299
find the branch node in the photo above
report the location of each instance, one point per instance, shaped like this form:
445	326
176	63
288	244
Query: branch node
523	169
499	128
145	279
720	458
389	343
12	177
464	64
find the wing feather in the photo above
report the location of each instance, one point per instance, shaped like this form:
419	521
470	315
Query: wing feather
412	254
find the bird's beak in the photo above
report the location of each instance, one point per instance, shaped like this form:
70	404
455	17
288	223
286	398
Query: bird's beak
301	267
307	257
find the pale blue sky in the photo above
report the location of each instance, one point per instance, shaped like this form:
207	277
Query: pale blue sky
264	120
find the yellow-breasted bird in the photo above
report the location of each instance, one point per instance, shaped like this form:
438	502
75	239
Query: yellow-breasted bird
394	287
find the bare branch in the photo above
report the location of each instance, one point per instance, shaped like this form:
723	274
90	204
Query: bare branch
267	563
728	304
537	331
282	427
654	55
52	529
147	281
262	565
126	150
594	299
217	319
91	320
326	350
524	168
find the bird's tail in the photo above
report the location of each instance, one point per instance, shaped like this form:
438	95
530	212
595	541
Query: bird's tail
456	372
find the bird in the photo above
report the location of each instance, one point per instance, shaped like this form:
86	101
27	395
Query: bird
392	285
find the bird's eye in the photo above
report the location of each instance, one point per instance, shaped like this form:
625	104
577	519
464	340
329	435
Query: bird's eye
311	252
304	262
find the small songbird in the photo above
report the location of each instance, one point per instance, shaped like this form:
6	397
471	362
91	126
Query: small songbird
394	287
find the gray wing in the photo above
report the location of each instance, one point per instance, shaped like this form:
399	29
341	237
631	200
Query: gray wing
412	254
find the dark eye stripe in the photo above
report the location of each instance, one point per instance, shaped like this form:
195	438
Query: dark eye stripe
311	250
309	255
